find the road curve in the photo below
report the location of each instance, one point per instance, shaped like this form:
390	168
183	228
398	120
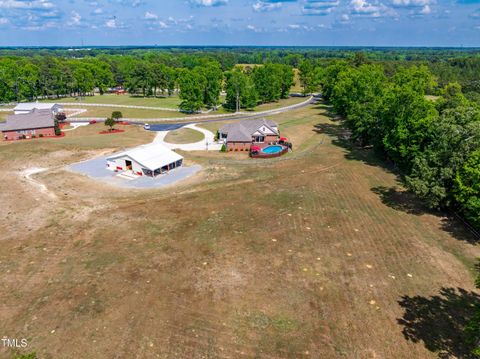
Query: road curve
172	125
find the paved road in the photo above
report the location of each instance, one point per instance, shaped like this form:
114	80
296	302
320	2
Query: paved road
212	118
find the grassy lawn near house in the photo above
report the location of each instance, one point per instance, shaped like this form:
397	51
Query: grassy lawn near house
280	103
184	135
104	112
168	102
156	114
318	254
75	145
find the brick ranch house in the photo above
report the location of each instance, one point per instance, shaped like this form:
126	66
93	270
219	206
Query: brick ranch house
38	123
242	135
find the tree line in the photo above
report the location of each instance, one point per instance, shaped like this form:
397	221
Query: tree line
435	143
199	83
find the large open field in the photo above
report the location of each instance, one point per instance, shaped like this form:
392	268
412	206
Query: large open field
126	100
318	254
167	102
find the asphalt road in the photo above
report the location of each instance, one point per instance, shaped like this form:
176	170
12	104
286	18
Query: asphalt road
174	126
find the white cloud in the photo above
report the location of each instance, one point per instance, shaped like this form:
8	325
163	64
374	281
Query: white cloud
74	19
319	7
366	9
418	7
208	3
28	5
253	28
263	6
150	16
426	10
410	3
4	21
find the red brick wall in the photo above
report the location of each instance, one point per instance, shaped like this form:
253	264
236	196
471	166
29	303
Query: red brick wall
238	146
271	138
16	135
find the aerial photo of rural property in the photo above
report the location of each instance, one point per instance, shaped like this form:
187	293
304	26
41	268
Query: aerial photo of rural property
213	179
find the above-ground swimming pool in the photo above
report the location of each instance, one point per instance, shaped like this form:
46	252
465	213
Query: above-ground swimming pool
269	151
272	149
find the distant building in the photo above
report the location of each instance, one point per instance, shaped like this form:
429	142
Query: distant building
38	123
241	135
26	107
147	160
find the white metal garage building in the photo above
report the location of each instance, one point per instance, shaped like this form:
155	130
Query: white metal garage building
27	107
147	160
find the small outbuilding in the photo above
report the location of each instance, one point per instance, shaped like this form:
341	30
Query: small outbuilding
27	107
147	160
37	123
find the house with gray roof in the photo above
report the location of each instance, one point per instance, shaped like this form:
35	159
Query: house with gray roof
36	123
241	135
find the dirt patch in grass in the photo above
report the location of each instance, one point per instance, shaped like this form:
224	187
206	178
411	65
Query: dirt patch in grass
292	258
184	135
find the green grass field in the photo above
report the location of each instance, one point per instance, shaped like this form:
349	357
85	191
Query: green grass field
167	102
184	135
152	114
104	112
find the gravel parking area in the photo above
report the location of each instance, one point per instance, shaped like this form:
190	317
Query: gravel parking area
96	169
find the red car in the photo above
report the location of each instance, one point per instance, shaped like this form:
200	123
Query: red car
92	122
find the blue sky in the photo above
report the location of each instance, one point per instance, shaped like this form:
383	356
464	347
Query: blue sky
240	22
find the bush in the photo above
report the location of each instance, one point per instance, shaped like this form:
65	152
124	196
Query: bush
60	117
110	122
40	135
224	148
33	136
117	115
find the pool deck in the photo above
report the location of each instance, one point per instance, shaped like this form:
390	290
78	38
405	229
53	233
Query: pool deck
96	169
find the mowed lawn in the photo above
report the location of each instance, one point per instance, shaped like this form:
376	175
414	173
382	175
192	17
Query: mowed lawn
318	254
184	135
127	100
103	112
152	113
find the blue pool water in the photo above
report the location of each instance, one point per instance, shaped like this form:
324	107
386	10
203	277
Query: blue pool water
272	149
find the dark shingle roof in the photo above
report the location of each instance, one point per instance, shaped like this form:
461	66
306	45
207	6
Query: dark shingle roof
242	131
34	119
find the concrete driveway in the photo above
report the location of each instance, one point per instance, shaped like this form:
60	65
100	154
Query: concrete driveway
207	144
96	169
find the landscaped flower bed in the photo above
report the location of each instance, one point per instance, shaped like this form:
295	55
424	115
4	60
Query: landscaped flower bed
35	137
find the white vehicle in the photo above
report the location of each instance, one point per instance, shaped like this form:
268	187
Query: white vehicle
146	126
